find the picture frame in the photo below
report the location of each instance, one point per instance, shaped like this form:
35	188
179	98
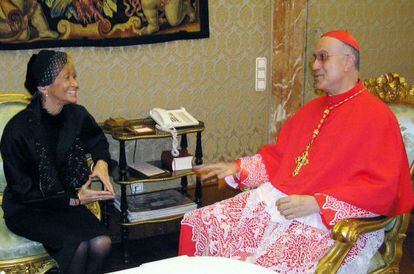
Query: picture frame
28	24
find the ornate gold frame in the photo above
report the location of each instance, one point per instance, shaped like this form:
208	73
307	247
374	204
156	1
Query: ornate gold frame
14	97
33	264
391	88
143	24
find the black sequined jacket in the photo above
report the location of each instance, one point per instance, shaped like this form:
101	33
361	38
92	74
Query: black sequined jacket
41	178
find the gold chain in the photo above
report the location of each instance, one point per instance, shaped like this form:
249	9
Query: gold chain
302	160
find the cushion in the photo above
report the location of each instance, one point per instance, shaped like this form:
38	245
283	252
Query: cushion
15	247
405	116
2	178
376	262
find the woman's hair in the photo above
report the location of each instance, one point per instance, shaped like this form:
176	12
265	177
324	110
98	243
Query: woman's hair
31	83
43	68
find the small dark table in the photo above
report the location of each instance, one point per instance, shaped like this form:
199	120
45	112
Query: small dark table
124	178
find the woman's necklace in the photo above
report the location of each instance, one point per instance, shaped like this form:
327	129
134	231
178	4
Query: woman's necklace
303	160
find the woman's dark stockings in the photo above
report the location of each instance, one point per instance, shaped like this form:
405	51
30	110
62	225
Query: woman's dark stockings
90	255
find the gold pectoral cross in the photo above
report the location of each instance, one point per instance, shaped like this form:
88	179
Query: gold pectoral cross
301	161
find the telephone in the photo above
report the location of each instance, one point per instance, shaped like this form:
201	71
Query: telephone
173	118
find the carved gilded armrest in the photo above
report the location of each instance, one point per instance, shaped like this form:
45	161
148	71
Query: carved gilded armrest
345	234
95	208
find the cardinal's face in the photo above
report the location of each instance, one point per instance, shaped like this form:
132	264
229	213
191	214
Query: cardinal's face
330	66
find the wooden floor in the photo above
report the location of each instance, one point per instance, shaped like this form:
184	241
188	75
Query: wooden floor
143	251
165	245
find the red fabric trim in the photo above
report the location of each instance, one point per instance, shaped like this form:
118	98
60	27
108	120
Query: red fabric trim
186	245
243	174
238	164
327	215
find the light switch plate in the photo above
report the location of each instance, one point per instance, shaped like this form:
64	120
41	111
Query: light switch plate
261	64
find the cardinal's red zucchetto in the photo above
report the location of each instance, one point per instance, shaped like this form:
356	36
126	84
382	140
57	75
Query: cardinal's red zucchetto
343	36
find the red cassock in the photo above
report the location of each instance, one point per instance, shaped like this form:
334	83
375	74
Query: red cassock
358	156
356	167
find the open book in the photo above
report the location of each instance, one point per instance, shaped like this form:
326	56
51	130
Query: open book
147	170
154	205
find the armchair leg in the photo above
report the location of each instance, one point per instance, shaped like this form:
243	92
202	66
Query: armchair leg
388	270
394	240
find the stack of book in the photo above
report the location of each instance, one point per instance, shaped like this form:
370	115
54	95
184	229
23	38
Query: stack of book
155	205
134	127
117	122
181	162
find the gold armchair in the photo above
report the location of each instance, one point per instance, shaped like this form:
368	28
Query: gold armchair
17	254
394	90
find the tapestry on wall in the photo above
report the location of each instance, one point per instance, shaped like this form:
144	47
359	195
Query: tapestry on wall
26	24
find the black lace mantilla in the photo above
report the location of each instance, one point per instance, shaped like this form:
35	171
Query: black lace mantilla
76	171
48	177
72	174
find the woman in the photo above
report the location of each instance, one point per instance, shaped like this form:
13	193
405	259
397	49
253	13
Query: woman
44	151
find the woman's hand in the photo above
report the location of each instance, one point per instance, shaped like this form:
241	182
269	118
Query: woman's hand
87	195
214	172
100	170
295	206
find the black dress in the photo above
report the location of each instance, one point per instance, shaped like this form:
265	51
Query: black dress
44	161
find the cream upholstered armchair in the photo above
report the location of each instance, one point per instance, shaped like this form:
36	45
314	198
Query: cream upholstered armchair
394	90
17	254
